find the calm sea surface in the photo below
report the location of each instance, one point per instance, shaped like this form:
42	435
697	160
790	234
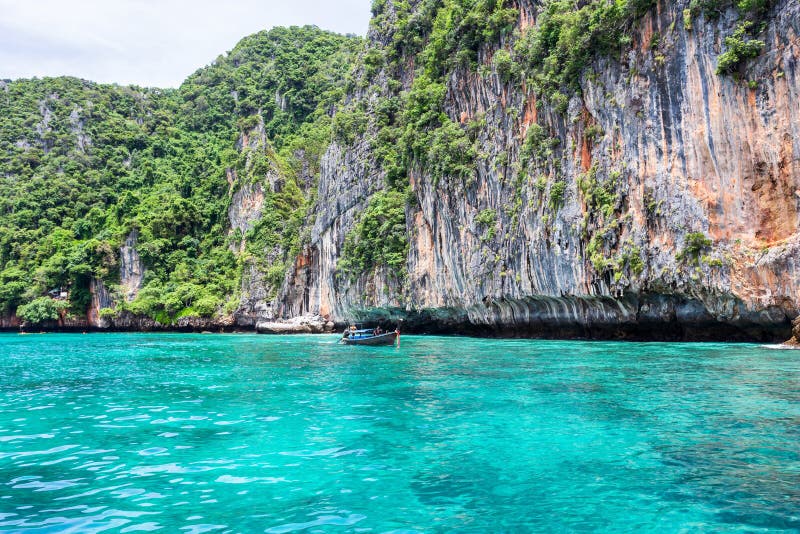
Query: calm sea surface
245	433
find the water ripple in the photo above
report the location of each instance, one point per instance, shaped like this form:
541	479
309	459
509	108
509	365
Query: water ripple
244	433
333	520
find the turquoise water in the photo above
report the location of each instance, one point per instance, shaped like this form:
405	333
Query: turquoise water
238	433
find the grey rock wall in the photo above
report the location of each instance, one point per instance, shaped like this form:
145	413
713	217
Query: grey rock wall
131	268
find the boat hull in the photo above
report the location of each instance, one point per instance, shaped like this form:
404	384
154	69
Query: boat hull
379	340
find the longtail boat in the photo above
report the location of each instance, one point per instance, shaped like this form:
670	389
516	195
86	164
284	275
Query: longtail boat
368	337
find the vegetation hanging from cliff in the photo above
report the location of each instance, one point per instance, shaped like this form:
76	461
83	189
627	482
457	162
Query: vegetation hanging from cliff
566	37
741	45
379	238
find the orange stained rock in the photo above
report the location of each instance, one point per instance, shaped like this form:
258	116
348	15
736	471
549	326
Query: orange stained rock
324	307
751	97
636	207
529	114
303	260
526	20
646	35
425	267
586	156
708	199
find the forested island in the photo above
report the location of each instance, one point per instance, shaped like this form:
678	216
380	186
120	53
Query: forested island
625	168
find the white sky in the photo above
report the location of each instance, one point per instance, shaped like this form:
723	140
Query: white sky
148	42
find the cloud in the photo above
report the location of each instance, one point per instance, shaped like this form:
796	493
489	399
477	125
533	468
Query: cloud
148	42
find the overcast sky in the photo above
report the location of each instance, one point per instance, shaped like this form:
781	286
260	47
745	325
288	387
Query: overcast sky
148	42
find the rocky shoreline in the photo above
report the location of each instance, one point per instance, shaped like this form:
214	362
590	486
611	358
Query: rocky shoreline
446	322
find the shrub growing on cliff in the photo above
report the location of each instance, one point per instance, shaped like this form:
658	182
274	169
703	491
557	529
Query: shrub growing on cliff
488	219
695	243
687	20
107	313
430	137
459	28
348	124
505	66
379	238
601	197
557	194
566	37
739	49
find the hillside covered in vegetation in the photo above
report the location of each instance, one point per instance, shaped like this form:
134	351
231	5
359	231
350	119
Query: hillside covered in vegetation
84	165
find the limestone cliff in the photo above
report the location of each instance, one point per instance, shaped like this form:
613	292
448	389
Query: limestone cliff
660	201
131	268
600	168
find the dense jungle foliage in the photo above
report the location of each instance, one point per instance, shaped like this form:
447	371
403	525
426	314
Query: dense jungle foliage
83	164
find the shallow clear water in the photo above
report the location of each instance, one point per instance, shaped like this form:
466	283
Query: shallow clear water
194	433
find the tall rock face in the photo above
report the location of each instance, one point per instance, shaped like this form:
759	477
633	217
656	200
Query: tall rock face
131	268
600	168
101	299
254	215
660	200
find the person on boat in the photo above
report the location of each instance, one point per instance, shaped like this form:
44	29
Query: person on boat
377	331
